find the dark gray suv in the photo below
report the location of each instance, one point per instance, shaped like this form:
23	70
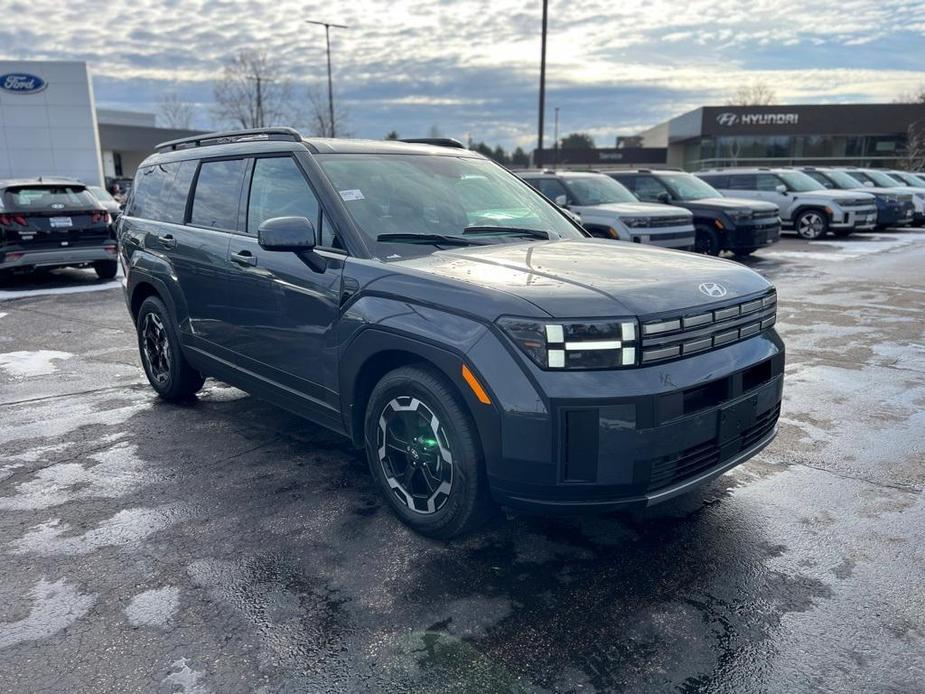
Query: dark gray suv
460	327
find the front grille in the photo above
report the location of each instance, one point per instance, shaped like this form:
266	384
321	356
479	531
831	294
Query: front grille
668	235
856	203
660	222
691	462
683	335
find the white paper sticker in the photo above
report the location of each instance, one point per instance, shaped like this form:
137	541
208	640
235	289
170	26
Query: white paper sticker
351	195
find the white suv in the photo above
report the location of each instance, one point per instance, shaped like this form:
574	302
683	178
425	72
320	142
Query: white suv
805	204
608	210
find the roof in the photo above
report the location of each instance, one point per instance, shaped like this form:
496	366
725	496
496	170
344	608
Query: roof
327	145
43	180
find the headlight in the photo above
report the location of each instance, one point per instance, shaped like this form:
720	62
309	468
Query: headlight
597	344
739	215
891	198
635	222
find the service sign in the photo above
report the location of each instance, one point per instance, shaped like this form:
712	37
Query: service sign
21	83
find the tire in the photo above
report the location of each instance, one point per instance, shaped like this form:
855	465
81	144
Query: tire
433	477
811	224
706	241
168	372
106	269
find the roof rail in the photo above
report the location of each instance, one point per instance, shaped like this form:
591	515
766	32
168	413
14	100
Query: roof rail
436	141
228	136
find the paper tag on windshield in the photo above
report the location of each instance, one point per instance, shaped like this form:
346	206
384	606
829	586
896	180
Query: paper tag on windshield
348	195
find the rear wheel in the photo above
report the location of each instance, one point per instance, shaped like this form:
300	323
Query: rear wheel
707	241
424	453
167	370
811	224
106	269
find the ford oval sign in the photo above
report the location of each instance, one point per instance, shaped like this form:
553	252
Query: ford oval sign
21	83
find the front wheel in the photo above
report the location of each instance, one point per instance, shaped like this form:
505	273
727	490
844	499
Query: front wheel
106	269
706	241
167	370
811	224
424	453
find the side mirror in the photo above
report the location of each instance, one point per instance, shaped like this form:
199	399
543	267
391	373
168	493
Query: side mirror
561	200
286	234
663	198
868	184
781	188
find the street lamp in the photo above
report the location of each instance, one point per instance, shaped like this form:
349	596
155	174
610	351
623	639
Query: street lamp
327	37
556	141
539	149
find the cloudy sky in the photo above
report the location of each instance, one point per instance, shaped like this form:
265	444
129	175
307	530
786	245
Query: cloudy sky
470	68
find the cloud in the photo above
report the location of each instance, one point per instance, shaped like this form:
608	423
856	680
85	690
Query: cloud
471	67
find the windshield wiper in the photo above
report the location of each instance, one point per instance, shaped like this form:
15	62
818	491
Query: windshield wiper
517	231
429	238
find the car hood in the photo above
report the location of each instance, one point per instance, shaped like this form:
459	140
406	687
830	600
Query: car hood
646	209
834	195
883	191
591	277
732	204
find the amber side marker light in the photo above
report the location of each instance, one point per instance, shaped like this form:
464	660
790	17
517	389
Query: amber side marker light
475	385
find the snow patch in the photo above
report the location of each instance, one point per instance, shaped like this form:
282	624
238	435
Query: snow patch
153	608
56	606
26	364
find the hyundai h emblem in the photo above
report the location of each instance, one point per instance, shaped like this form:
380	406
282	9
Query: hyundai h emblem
713	290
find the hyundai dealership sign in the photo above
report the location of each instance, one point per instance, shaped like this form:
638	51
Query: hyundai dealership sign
729	119
21	83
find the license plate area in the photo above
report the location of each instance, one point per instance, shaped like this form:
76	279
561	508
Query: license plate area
60	222
737	417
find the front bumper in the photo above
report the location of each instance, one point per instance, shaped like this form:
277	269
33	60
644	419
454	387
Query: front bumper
634	439
680	237
751	236
895	214
860	219
17	257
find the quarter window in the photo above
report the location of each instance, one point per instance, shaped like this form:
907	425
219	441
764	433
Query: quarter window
278	189
218	191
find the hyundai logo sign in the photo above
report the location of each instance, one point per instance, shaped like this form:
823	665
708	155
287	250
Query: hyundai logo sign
713	290
21	83
728	119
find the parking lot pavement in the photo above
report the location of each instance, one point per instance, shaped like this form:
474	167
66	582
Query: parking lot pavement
227	546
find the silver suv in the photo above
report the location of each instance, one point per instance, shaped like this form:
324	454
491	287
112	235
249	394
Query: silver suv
608	210
805	204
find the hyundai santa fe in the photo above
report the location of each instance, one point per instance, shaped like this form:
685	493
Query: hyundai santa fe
455	324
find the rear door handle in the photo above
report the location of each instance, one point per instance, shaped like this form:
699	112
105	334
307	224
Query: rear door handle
244	258
167	241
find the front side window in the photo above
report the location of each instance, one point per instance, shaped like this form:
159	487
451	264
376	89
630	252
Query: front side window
426	201
649	188
881	179
597	190
843	180
218	192
278	189
767	183
550	187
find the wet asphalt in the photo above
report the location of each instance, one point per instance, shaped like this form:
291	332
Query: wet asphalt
227	546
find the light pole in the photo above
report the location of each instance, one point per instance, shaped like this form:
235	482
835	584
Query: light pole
556	160
327	37
539	149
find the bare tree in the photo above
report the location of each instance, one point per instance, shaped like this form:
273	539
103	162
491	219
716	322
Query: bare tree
319	115
174	112
252	92
916	96
915	147
754	94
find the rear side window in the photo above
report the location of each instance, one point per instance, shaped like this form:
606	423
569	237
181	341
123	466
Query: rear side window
278	189
767	182
715	181
743	182
160	192
218	192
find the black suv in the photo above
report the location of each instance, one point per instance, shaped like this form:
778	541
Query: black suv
46	223
438	311
721	223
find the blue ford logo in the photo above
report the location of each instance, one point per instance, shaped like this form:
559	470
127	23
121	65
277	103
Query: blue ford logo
21	83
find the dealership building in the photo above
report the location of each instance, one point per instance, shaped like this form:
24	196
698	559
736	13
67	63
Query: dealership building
50	126
822	134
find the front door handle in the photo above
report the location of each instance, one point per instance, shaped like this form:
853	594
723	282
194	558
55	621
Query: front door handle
244	258
167	241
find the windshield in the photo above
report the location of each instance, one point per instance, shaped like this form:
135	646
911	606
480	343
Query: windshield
100	194
909	179
47	197
597	190
402	196
882	180
842	180
688	187
799	182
